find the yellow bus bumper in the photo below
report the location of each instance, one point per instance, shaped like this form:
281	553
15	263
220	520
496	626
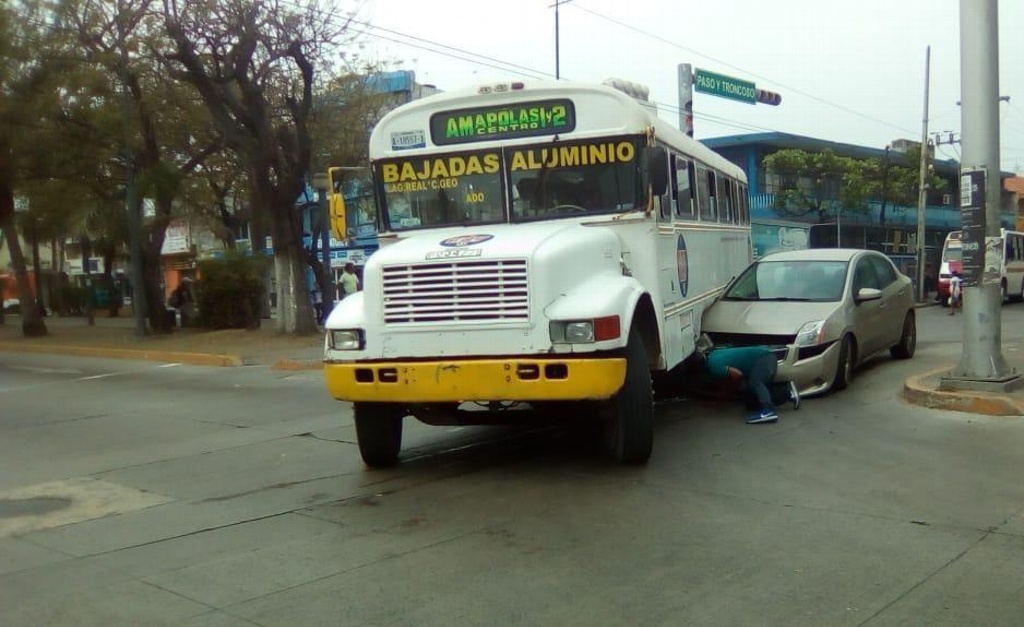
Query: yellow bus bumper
476	380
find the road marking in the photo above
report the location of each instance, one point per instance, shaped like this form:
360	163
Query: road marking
168	365
40	370
101	376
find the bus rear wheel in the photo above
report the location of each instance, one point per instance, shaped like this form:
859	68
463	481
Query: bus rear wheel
629	415
379	433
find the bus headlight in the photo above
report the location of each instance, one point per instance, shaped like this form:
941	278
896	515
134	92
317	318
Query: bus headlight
579	332
585	331
346	339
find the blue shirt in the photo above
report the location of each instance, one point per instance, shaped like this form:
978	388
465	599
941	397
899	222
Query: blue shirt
741	358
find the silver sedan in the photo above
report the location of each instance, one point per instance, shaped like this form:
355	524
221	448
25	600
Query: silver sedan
822	310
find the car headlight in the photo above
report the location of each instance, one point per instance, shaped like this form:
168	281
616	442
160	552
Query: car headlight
585	331
345	339
811	334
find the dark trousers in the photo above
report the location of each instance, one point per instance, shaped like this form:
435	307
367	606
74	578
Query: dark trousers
764	391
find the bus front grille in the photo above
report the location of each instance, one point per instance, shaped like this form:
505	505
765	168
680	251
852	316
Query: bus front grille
456	291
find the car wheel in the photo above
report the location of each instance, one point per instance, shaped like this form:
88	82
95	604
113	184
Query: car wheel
844	369
629	415
379	433
1003	296
908	340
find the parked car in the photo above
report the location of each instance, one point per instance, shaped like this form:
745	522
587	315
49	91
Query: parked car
822	310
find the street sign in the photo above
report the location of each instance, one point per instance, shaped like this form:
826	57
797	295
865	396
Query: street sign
725	86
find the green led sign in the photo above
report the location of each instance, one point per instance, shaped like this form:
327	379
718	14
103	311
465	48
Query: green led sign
542	117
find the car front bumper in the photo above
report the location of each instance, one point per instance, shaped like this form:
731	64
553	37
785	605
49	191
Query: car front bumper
812	375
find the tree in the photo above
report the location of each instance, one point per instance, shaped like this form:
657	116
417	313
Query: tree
897	180
166	128
253	64
818	183
23	66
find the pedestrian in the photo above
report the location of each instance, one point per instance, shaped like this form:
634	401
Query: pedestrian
755	368
183	301
349	280
956	293
316	297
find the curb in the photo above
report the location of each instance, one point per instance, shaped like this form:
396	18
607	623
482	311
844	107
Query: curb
918	392
192	359
298	364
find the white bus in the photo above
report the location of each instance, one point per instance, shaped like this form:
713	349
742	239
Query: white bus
1011	270
545	243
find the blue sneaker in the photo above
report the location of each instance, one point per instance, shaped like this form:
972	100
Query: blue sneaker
794	395
763	416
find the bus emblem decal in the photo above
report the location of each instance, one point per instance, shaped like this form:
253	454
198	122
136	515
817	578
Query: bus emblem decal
465	240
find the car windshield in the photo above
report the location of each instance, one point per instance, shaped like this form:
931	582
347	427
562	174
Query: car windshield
456	189
818	281
562	179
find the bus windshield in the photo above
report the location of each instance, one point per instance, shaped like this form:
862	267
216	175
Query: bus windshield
556	180
453	189
548	181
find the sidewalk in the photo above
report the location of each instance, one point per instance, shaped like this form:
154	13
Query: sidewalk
923	389
115	337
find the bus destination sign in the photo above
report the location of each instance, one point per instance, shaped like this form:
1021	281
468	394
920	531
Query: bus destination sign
528	119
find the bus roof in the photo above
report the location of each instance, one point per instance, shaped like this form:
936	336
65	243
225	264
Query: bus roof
601	111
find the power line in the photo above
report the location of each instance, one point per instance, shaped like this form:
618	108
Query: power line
734	67
522	68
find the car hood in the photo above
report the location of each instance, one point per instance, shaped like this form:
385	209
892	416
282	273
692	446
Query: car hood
764	317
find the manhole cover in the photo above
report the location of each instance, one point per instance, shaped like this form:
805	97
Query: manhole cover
14	508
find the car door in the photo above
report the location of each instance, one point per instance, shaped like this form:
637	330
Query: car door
894	300
867	315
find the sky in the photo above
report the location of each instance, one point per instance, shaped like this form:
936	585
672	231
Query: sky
851	72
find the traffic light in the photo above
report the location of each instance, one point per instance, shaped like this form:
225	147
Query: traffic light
768	97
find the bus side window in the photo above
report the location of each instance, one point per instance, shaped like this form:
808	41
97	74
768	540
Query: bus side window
713	195
744	201
704	207
725	207
667	200
683	177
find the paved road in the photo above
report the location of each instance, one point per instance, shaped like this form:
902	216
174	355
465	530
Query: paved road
137	493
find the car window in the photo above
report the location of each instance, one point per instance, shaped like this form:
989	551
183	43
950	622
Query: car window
884	271
865	276
797	280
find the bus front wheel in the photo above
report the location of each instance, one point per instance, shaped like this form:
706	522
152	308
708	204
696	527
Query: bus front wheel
379	433
629	415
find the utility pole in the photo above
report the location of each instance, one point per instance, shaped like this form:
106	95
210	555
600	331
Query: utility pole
982	366
686	98
922	183
557	4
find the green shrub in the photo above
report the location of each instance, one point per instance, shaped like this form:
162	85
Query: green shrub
229	291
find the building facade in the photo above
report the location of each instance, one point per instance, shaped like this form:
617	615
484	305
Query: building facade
878	225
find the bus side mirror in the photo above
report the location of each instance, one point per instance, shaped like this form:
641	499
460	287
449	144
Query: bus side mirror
336	205
657	169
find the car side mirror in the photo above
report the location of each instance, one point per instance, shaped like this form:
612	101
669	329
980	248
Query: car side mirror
866	294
